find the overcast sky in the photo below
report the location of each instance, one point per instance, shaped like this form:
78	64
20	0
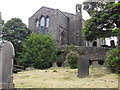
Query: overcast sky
26	8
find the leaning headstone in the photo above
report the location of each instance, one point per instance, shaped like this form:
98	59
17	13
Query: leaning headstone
83	67
6	65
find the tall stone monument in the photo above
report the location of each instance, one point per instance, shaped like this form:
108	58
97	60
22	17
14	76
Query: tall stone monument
6	61
1	24
79	26
6	64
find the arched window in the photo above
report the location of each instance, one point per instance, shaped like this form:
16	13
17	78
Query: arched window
42	24
112	43
36	26
62	38
94	44
47	24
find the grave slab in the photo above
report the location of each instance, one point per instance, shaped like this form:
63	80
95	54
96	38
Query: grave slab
83	67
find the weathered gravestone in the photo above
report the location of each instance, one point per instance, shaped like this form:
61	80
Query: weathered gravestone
83	67
6	64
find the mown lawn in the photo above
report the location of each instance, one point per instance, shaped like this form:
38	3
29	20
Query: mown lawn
99	77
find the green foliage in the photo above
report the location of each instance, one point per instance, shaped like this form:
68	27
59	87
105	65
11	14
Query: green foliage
60	56
15	31
39	51
74	48
63	53
93	7
104	19
113	60
72	58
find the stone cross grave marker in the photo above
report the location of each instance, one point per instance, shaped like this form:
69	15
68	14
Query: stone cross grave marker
83	67
6	65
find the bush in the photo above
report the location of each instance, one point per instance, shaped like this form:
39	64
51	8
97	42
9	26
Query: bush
39	51
75	48
72	58
113	60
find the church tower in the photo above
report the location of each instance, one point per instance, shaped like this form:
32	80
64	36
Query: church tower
1	24
79	25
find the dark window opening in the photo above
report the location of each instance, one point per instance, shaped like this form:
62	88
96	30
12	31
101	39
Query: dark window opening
94	44
112	43
62	38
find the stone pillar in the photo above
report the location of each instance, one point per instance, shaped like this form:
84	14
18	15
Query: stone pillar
79	26
83	67
6	65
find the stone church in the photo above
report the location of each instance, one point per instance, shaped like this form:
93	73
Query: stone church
66	28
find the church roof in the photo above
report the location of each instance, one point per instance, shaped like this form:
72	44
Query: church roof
64	13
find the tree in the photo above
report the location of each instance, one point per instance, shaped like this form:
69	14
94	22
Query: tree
104	21
113	60
15	31
39	51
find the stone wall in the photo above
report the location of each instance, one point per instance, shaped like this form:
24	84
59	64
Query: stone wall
60	21
91	52
46	12
57	21
94	52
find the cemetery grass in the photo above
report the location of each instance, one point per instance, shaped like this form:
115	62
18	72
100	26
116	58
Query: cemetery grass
59	77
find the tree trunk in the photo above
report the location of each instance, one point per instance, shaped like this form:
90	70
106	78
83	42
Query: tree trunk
54	64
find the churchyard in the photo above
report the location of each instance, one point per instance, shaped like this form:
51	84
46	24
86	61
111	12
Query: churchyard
82	65
99	77
86	75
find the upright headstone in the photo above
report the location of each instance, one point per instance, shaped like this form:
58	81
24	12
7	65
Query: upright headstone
6	65
83	67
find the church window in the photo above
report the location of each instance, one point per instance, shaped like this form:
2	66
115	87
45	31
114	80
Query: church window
42	24
62	38
37	25
47	24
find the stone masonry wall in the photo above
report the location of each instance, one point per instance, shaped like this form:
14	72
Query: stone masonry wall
91	52
51	13
94	52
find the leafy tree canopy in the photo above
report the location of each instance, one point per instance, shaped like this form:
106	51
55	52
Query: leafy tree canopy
39	51
104	21
15	31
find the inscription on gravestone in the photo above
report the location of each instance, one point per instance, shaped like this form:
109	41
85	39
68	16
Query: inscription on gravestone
83	67
6	65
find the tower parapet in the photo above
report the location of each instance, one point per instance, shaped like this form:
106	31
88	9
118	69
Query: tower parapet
1	24
78	8
79	25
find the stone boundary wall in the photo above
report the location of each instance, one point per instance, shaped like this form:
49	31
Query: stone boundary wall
91	52
94	52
